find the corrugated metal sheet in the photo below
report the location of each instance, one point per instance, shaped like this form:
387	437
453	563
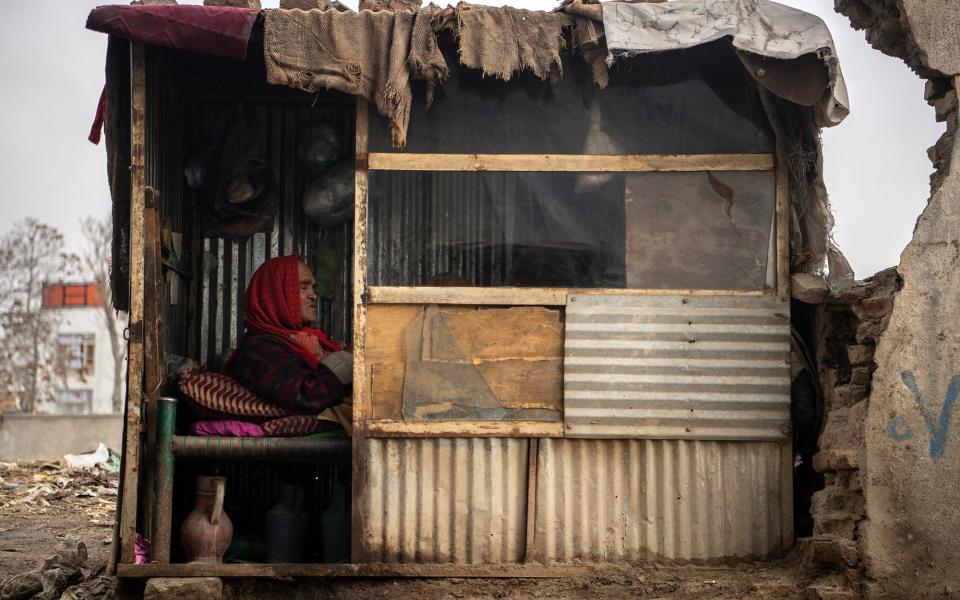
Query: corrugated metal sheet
427	224
672	367
231	263
446	500
630	500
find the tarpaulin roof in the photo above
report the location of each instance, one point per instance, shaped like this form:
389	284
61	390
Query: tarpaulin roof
217	30
756	26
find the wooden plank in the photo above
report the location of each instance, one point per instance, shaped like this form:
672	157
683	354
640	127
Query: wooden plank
534	449
361	394
507	296
783	225
363	570
152	346
525	333
387	323
133	417
382	161
433	429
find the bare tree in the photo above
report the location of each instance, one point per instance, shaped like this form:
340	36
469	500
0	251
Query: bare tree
31	254
98	234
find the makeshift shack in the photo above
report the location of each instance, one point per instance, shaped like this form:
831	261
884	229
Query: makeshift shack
560	245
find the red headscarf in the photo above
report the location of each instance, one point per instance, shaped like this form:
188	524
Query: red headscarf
271	304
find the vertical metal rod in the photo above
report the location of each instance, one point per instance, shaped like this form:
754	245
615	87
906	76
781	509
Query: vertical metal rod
163	481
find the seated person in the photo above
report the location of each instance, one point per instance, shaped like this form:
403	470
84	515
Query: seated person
282	358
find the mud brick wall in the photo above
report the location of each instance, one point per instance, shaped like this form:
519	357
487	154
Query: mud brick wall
849	325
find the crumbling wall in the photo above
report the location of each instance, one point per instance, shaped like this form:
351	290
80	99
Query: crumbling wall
909	465
849	323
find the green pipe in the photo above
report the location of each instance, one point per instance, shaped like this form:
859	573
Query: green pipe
163	482
266	448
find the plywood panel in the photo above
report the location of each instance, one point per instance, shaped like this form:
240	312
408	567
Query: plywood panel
513	354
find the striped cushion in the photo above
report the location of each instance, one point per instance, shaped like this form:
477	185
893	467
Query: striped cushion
297	425
223	395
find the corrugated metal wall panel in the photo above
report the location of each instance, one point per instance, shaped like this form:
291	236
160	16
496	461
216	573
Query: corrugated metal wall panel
631	500
229	264
677	367
446	500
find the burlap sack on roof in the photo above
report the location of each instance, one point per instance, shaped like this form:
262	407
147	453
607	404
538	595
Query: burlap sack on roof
501	41
363	54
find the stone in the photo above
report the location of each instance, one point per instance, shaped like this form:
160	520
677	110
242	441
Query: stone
860	354
945	105
829	551
878	307
183	588
808	288
871	330
844	428
847	395
860	376
836	460
826	591
934	88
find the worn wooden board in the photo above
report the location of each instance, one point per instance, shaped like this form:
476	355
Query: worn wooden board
513	354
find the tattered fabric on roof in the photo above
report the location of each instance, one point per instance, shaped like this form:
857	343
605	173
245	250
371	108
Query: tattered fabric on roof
375	55
759	27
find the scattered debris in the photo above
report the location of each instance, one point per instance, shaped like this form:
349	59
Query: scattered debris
66	574
101	457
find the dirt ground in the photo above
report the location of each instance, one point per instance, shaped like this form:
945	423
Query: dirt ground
43	507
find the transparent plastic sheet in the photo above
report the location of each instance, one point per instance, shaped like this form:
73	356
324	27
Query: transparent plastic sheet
699	230
638	230
696	101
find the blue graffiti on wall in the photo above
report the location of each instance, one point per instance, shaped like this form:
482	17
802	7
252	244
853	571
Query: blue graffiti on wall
937	425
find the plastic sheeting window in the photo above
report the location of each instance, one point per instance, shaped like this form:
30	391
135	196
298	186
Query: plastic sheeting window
696	101
708	230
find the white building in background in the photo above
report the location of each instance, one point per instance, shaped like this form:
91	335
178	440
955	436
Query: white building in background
85	360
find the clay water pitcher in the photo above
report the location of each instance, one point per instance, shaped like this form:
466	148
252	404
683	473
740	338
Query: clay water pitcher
288	524
207	531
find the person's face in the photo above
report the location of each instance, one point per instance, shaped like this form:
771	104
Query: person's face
308	295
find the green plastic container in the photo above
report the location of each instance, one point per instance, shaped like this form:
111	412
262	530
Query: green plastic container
335	527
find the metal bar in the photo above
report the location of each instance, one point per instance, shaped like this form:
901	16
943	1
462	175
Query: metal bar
241	448
382	161
163	481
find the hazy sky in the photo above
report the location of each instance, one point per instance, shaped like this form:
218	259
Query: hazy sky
875	161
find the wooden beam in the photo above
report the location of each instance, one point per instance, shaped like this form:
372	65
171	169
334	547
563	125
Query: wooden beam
783	224
464	429
383	161
361	393
133	410
524	296
152	346
362	570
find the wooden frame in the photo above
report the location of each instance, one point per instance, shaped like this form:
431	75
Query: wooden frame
133	419
361	396
507	296
362	570
390	161
453	429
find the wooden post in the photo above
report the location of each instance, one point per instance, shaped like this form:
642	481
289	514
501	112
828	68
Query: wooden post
783	223
361	397
152	345
133	418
